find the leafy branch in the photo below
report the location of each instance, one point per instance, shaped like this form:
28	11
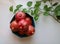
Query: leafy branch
35	9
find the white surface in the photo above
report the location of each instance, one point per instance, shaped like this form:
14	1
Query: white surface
47	29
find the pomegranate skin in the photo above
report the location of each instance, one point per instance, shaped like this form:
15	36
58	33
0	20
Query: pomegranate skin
30	30
20	15
14	26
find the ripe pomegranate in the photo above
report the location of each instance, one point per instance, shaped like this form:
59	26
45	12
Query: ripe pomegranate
23	25
21	32
14	26
28	20
20	15
30	30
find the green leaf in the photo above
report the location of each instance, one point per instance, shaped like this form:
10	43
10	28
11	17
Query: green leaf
16	10
18	6
57	10
29	4
46	8
57	13
11	8
36	17
25	10
46	13
32	12
50	8
36	10
38	3
55	4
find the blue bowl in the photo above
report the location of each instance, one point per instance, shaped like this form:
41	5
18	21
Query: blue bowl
33	24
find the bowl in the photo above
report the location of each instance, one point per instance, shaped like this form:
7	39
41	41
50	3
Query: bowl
33	24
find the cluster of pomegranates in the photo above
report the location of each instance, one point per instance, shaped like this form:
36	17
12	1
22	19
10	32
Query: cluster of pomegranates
22	24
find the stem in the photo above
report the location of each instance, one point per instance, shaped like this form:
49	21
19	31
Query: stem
31	8
54	18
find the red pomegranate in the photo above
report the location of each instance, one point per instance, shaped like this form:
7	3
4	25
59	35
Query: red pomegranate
20	15
14	26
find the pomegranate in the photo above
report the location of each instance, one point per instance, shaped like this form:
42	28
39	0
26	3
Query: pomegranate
30	30
20	15
28	20
23	25
14	26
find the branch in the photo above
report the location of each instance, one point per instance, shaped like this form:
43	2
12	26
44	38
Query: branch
55	18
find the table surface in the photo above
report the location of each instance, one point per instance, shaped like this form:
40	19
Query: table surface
47	29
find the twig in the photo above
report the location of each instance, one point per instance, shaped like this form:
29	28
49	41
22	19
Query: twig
54	18
31	8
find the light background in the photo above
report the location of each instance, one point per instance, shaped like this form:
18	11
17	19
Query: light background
47	29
